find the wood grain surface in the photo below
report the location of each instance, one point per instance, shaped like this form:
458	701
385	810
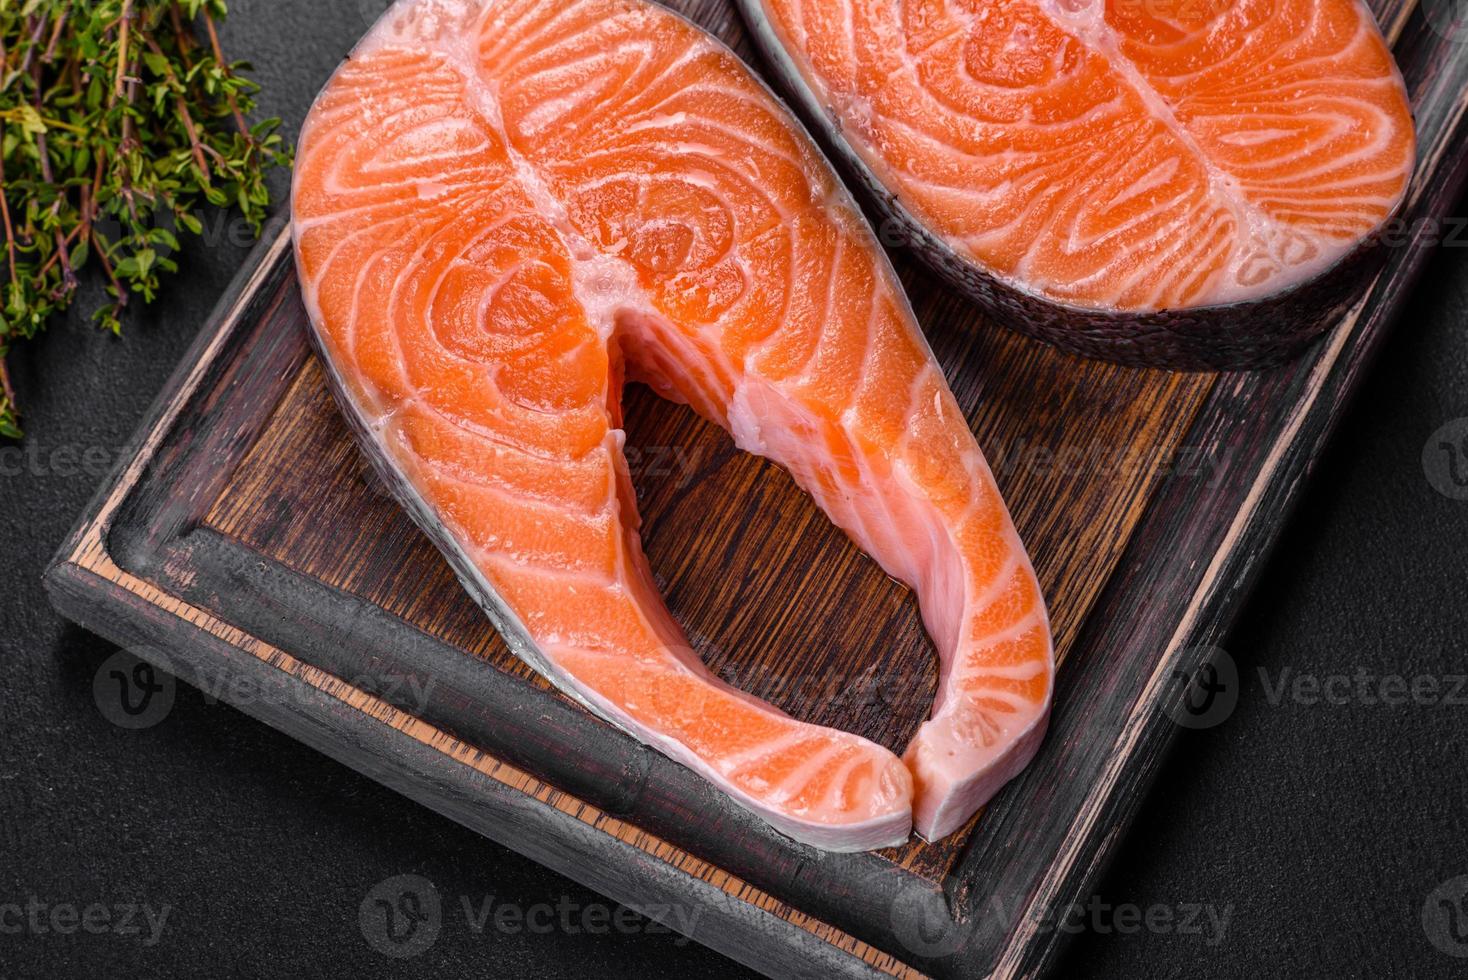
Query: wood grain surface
246	534
774	598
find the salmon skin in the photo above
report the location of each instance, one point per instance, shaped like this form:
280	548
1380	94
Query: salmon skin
505	209
1175	183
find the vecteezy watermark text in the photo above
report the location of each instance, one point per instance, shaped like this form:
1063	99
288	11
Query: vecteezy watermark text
137	692
569	917
37	917
1207	694
931	933
402	916
679	463
1364	686
68	460
1207	463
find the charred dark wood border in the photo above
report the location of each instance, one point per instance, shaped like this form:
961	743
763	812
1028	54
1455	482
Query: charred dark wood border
1150	633
458	781
140	570
157	535
526	768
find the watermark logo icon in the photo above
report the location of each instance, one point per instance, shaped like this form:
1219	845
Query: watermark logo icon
1206	694
1448	18
134	693
1445	460
1445	917
922	924
401	916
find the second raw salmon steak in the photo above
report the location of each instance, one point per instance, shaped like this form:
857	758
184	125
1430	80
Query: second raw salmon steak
505	209
1185	183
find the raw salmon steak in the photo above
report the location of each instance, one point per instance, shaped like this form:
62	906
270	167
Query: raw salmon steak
505	209
1183	183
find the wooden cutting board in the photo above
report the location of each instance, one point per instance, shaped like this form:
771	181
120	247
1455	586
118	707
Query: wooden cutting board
244	545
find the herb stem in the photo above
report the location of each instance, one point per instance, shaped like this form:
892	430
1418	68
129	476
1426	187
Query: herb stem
115	117
68	275
185	38
121	294
30	51
128	143
219	60
50	53
5	385
64	244
5	211
124	29
183	112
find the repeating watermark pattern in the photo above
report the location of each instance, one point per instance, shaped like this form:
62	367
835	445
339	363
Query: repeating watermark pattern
134	693
925	928
137	692
408	691
679	463
1364	686
32	458
1447	231
1445	459
1445	917
403	916
1205	695
570	917
133	921
1449	19
892	691
645	465
1207	463
218	228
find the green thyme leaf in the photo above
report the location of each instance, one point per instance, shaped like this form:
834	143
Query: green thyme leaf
120	122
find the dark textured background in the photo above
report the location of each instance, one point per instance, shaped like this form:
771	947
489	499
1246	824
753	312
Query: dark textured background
1319	830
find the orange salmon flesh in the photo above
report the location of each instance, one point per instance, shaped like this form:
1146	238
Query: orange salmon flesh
505	209
1124	155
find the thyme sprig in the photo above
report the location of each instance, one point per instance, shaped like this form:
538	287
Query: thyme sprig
120	120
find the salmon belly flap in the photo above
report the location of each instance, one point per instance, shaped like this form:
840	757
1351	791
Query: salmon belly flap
503	209
1121	157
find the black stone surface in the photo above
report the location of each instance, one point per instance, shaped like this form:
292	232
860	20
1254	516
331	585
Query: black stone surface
1321	831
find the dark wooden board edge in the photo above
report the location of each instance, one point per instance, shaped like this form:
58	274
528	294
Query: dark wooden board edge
430	774
1145	733
536	730
89	585
159	537
246	284
1279	421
